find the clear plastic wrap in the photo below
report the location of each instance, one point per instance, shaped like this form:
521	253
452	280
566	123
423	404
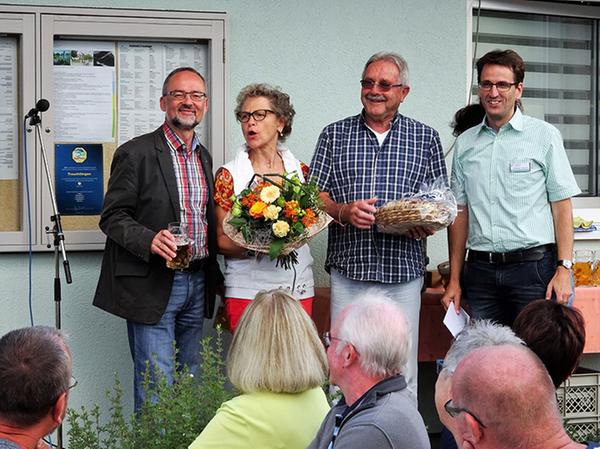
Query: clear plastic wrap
433	207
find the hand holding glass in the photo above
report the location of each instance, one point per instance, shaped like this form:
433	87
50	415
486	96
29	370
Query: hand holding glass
184	246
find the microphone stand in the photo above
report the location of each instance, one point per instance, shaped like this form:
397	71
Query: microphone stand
59	240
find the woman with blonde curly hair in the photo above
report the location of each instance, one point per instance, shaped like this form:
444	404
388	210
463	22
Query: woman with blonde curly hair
278	363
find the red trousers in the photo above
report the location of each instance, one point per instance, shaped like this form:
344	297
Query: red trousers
234	307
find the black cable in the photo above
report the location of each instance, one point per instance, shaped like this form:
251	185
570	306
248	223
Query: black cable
29	228
476	41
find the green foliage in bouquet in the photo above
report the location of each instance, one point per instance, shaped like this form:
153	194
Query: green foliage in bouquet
173	417
276	212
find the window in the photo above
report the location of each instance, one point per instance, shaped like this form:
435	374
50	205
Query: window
560	53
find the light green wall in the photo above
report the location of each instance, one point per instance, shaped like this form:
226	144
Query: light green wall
315	51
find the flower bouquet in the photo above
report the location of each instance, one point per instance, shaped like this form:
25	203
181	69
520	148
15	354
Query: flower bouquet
276	215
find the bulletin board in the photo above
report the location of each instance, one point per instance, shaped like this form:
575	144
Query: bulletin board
102	72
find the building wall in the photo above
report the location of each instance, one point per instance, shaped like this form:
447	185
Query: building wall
315	51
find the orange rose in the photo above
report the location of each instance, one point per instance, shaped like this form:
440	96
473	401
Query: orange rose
309	218
249	199
257	209
291	209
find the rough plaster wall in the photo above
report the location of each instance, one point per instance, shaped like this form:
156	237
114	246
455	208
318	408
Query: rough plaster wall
315	51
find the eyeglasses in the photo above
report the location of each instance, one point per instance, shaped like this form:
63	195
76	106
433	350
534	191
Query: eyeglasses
502	86
195	95
328	338
383	85
258	115
73	383
454	411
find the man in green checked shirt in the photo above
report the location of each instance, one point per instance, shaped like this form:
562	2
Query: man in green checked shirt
513	184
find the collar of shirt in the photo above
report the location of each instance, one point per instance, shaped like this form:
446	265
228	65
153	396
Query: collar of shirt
516	123
174	141
393	123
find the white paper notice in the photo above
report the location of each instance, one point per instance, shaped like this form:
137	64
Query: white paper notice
143	66
455	322
9	123
84	88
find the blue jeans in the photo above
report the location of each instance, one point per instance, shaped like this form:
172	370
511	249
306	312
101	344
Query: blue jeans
500	291
408	296
181	322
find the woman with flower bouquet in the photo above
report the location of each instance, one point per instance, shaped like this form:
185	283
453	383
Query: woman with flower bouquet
266	116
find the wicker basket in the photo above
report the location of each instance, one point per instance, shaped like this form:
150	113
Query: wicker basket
397	217
261	240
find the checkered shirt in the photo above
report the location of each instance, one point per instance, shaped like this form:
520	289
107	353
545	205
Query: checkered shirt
350	165
192	188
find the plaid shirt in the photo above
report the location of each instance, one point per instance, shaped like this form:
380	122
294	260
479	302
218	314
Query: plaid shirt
192	188
350	165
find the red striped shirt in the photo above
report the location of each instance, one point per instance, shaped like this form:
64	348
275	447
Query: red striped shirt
192	187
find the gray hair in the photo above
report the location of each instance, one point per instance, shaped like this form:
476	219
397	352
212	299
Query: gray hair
280	102
379	330
395	58
478	334
35	369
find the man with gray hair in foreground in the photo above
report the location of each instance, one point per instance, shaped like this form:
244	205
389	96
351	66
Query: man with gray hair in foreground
477	334
503	397
35	375
367	351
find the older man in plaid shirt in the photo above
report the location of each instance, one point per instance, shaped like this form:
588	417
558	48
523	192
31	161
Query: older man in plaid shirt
360	163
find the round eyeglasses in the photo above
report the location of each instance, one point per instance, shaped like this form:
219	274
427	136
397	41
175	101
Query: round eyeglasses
328	338
258	115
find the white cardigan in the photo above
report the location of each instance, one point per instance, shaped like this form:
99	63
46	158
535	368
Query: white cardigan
244	278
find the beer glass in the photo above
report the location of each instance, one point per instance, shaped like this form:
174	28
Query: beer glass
184	246
583	267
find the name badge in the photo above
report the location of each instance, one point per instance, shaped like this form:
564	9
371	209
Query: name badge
520	167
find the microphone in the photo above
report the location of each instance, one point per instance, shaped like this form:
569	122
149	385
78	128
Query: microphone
42	105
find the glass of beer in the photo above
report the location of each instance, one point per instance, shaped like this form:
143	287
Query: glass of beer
583	267
184	246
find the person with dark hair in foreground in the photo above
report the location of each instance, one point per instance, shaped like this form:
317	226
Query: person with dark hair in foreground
503	397
556	333
35	379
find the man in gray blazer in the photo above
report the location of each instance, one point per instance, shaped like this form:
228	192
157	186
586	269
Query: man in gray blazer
158	178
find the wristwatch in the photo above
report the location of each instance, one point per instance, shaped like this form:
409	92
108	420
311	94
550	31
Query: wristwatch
568	264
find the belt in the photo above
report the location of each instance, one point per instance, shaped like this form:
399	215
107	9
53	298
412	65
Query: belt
195	266
525	255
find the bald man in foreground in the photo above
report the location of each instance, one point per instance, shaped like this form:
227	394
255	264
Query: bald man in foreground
500	405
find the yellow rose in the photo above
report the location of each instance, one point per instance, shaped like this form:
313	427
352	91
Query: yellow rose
269	194
256	211
272	212
281	228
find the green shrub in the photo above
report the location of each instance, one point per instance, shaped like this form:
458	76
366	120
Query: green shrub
172	417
